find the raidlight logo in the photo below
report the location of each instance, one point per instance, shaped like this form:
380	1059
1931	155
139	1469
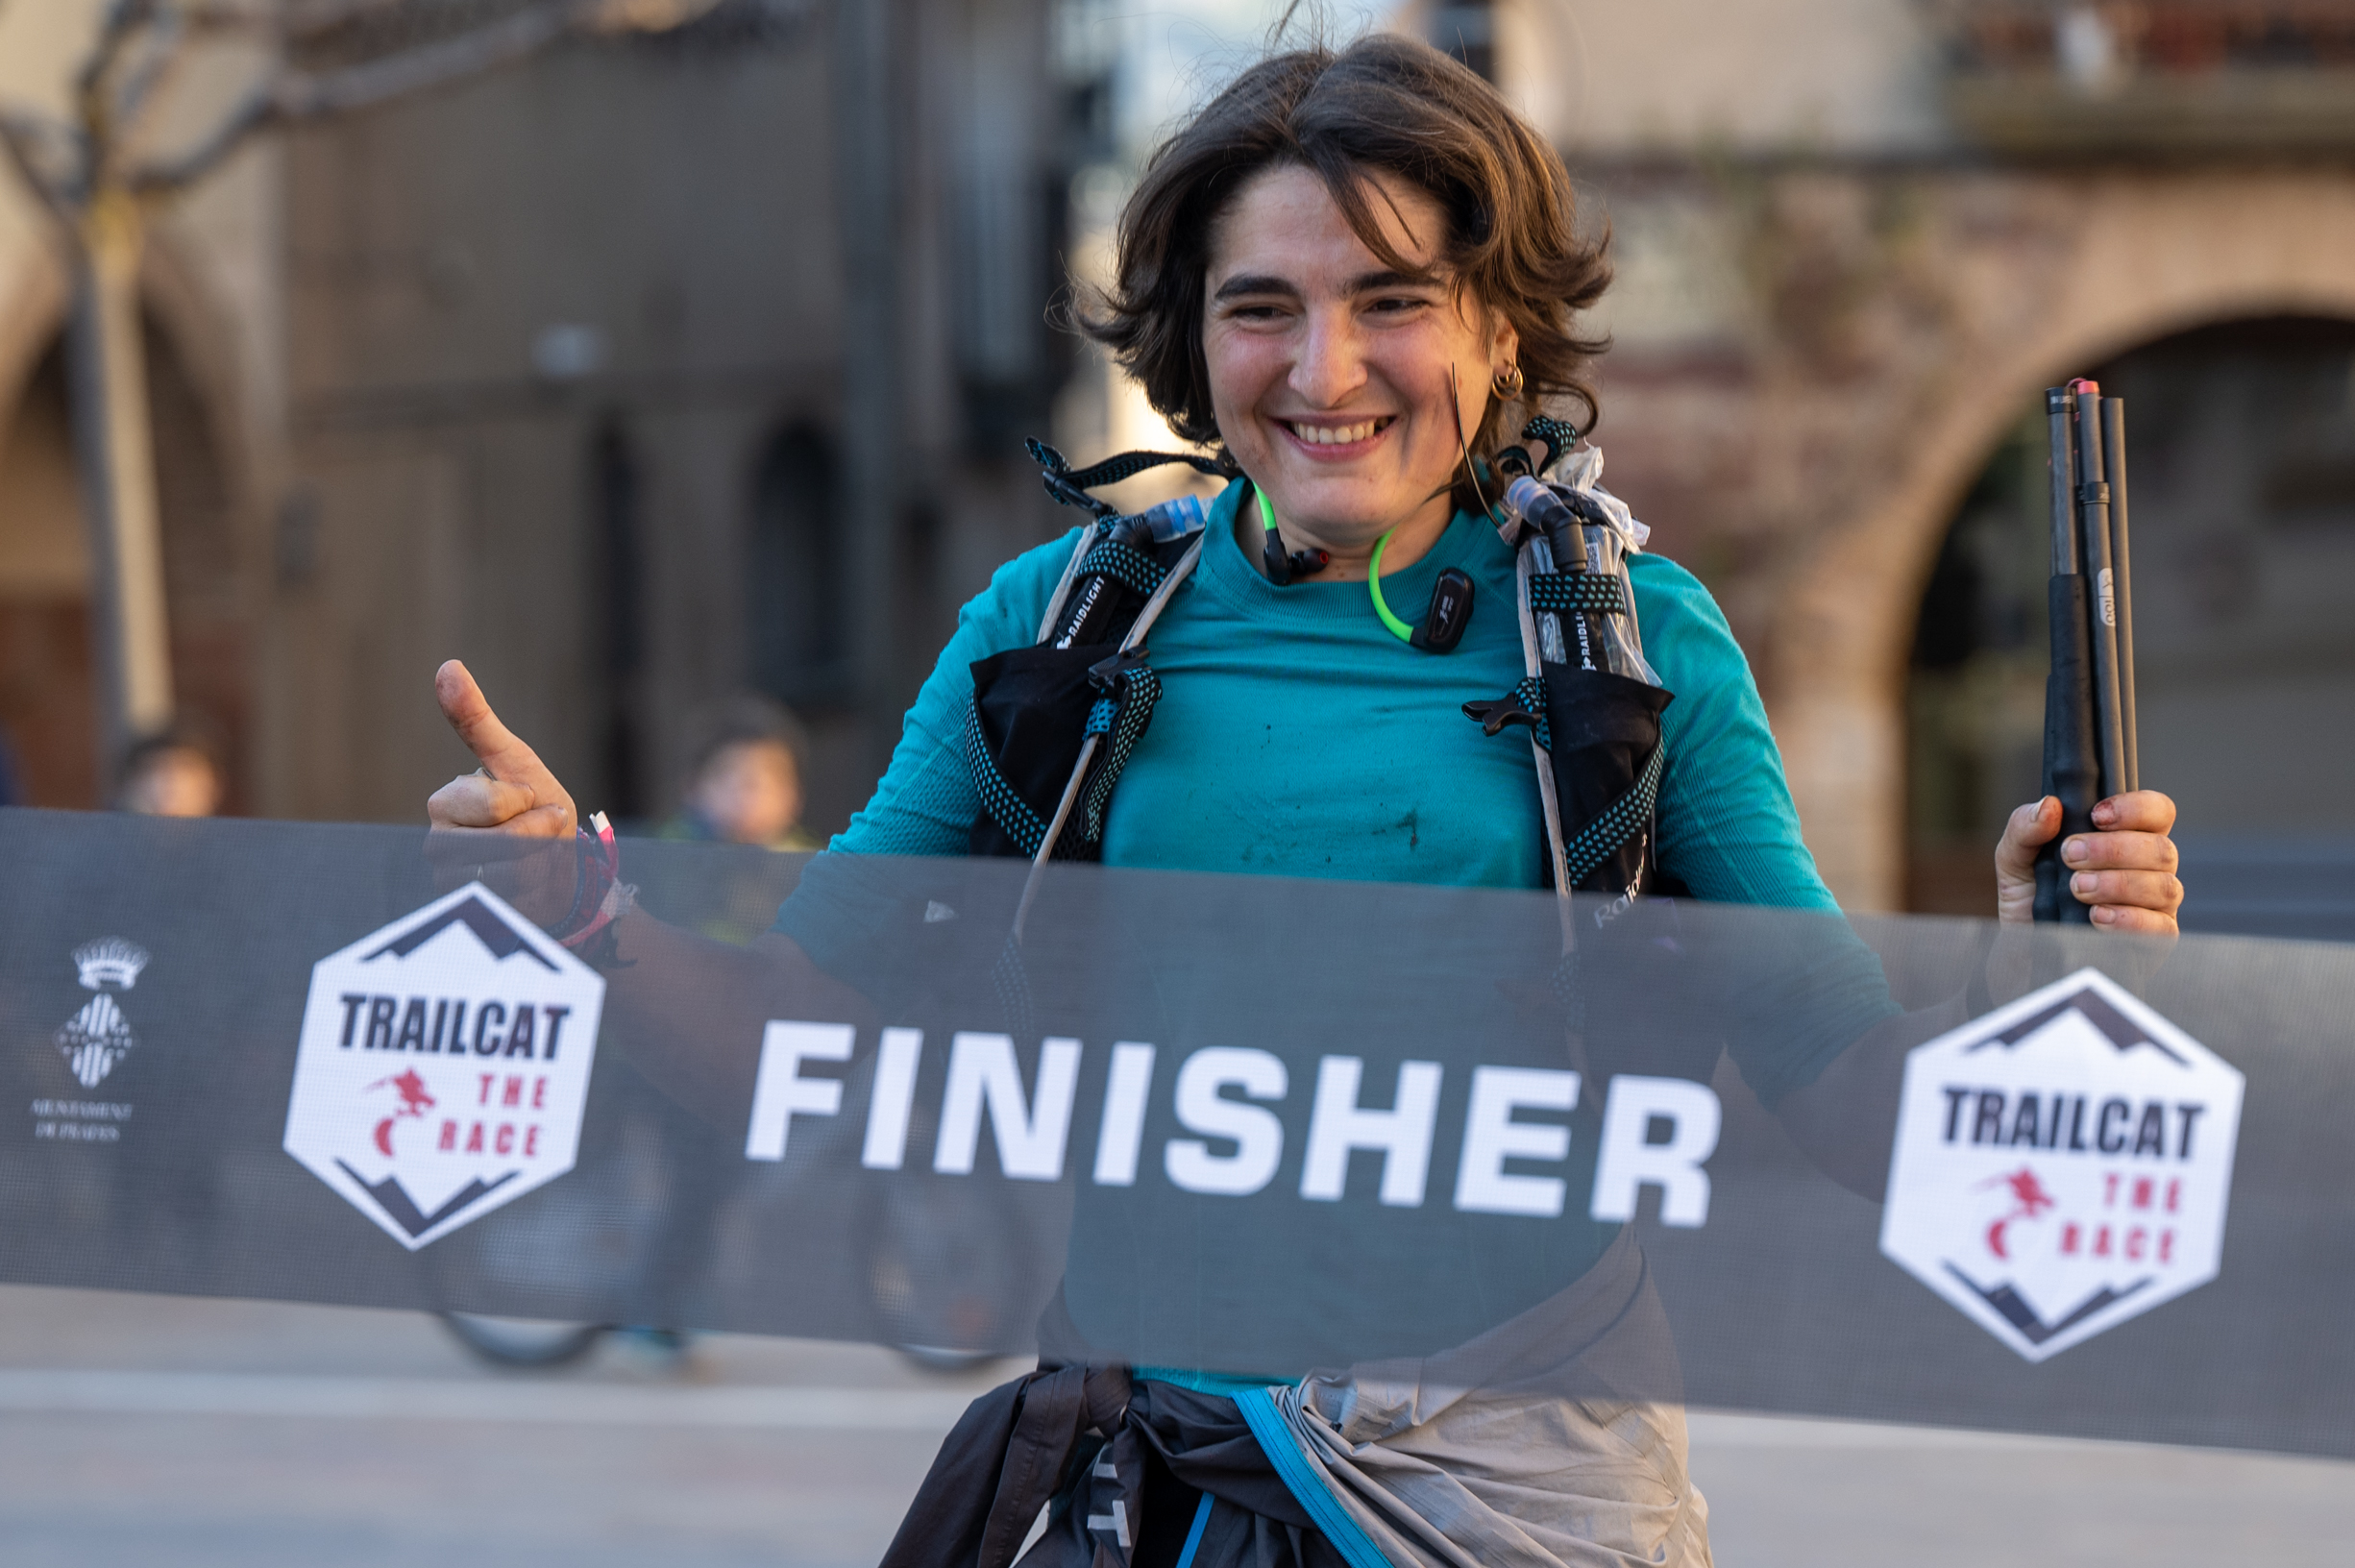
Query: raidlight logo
443	1065
2062	1165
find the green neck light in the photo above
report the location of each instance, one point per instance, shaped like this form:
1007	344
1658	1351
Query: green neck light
1399	630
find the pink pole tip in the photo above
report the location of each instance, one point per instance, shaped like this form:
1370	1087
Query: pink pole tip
2080	387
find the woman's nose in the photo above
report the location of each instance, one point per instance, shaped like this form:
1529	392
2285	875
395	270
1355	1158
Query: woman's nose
1332	363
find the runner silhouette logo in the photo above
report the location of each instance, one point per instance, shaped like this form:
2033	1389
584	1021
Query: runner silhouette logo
2062	1165
443	1065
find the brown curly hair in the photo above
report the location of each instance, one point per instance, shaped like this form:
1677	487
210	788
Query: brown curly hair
1381	104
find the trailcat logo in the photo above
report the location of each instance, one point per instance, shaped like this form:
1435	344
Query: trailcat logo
2062	1165
443	1065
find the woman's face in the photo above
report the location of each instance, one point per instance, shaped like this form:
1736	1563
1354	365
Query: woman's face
1329	371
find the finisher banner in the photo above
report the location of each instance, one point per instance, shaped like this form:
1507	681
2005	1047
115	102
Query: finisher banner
1900	1169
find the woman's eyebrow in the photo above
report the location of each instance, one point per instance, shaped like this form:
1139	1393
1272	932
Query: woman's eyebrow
1256	283
1365	282
1368	283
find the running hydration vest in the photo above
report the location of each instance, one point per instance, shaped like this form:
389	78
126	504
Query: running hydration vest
1052	725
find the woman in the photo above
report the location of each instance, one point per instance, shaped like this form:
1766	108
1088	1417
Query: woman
1349	273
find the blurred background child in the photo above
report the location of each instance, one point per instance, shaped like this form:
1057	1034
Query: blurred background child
744	783
170	774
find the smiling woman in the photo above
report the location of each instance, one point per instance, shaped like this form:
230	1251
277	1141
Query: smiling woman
1352	275
1347	270
1346	392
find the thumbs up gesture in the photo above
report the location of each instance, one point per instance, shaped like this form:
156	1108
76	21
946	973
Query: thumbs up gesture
510	823
512	792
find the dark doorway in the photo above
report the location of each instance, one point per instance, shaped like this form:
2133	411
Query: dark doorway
616	492
47	692
47	723
796	625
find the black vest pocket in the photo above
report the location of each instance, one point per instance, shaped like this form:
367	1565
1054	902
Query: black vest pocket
1023	738
1605	749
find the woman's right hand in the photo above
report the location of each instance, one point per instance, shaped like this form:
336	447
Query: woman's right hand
510	824
512	792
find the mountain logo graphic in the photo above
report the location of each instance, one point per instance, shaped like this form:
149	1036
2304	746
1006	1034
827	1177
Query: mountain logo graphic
443	1065
2062	1165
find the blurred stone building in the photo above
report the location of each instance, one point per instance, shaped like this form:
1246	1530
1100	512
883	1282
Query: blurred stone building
657	368
662	368
647	371
1855	238
216	384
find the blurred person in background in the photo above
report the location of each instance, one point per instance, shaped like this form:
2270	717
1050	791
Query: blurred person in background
170	774
744	784
742	787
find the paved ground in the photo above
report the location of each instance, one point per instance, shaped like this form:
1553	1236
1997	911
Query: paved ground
145	1432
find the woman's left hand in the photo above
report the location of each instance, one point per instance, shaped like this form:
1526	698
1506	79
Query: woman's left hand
2125	869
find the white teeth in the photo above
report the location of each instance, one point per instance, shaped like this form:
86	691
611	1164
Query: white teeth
1335	436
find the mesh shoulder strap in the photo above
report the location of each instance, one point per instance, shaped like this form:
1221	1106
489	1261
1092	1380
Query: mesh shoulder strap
1071	485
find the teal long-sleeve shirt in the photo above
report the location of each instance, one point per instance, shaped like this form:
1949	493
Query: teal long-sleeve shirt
1296	736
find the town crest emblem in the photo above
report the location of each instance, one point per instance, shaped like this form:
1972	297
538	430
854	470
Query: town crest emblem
95	1039
443	1065
2062	1165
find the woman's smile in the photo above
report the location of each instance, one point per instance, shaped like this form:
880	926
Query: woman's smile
1330	439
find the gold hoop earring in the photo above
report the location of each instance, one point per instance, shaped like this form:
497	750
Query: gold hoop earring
1508	383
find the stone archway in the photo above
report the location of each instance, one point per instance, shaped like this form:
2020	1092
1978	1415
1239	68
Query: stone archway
46	694
207	481
2241	447
2123	259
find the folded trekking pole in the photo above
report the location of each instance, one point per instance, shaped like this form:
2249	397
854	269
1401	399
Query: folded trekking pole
2089	695
2114	472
